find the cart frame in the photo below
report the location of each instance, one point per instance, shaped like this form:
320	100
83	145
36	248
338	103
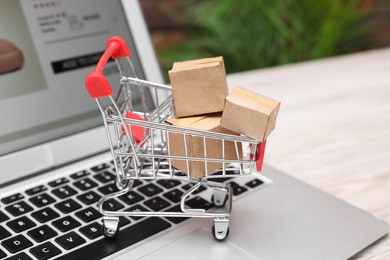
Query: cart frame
140	138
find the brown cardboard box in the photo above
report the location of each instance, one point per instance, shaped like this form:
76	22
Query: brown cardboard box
249	113
195	145
199	86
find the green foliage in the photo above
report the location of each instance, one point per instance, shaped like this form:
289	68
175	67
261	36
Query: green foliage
260	33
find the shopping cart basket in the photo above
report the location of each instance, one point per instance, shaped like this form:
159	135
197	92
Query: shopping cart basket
139	141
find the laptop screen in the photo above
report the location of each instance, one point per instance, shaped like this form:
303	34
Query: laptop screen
46	50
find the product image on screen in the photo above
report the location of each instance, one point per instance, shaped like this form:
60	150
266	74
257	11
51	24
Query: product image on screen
11	58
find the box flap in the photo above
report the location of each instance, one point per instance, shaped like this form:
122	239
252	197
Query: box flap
185	121
206	122
198	63
269	102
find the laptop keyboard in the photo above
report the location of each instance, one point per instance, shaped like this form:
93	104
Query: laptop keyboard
60	220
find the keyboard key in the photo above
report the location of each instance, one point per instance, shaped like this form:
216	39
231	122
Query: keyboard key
2	254
108	189
220	179
157	203
20	256
4	233
45	251
237	189
58	182
92	231
123	221
67	206
173	195
64	192
137	208
112	205
42	200
89	197
19	208
89	214
3	217
104	177
137	183
12	198
199	203
66	223
85	184
42	233
16	244
36	190
45	215
21	224
79	175
124	238
189	185
70	240
169	183
131	197
150	190
100	167
254	183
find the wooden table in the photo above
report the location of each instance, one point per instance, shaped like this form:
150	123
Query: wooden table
333	128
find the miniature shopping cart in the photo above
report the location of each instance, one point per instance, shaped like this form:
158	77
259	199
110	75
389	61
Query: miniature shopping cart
140	143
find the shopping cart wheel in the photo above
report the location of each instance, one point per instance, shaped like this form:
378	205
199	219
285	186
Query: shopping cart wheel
110	226
219	197
220	229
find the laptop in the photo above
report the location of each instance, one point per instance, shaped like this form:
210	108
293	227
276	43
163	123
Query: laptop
55	162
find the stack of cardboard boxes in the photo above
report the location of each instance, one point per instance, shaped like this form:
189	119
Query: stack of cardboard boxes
202	102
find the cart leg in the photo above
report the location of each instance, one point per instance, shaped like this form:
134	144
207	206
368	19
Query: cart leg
124	184
219	197
110	226
220	228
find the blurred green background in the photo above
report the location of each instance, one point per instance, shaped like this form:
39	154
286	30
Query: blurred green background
253	34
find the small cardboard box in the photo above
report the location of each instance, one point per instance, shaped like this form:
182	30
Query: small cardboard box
195	145
250	114
199	86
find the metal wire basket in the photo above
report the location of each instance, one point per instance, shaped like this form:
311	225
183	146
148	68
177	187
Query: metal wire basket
140	141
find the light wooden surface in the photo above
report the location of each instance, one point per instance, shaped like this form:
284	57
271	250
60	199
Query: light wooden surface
333	128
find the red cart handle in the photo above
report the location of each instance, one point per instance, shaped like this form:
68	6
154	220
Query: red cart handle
96	83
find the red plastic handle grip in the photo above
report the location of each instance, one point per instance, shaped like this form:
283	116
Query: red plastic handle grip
137	131
260	151
259	155
96	83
